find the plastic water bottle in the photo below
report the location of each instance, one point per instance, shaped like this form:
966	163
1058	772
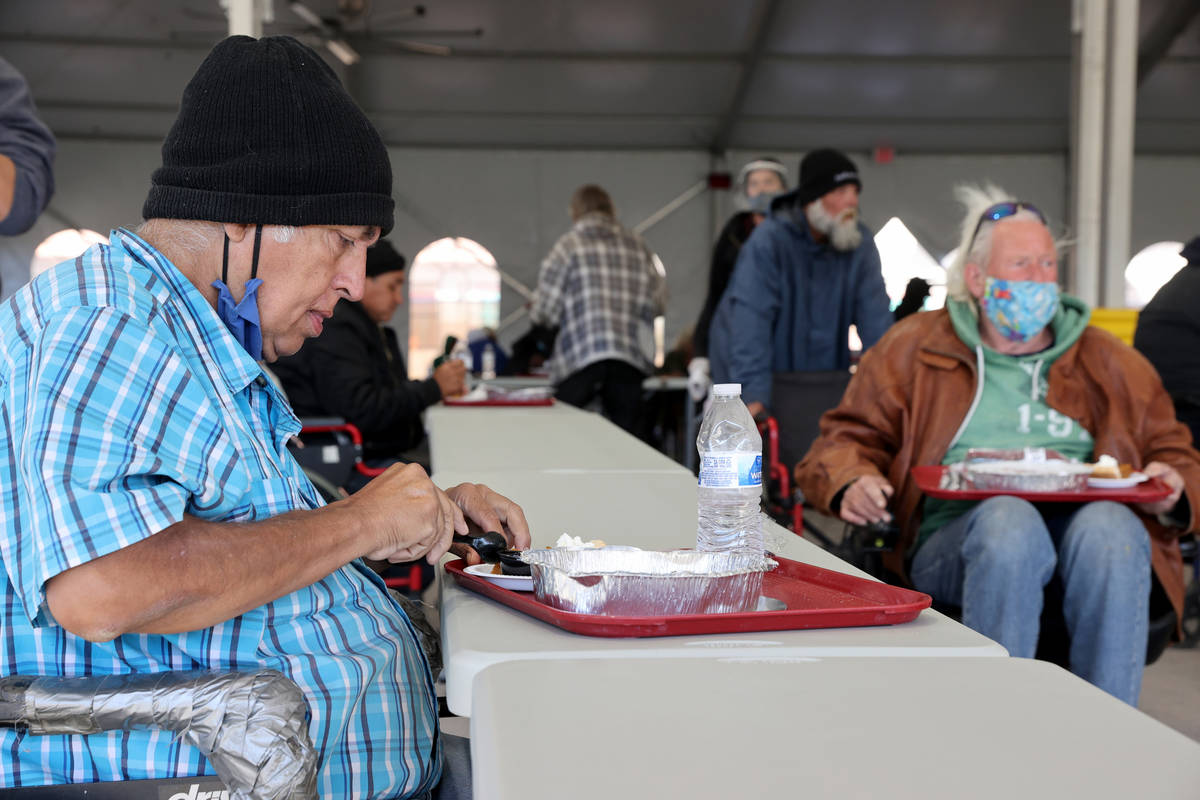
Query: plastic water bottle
487	370
730	493
462	353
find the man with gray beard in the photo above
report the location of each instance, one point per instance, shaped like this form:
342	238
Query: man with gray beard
806	274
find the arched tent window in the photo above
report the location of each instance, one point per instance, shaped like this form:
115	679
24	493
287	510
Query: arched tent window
1149	270
903	258
62	246
453	288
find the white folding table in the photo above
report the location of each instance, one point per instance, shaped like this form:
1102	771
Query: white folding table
653	511
561	436
898	729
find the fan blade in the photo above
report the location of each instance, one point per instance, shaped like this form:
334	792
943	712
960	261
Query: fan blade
424	47
308	15
344	52
432	33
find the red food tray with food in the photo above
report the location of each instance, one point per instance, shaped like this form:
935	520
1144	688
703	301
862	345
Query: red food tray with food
929	481
801	596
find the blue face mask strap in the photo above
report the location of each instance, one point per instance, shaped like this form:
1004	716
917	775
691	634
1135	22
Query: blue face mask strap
242	317
254	258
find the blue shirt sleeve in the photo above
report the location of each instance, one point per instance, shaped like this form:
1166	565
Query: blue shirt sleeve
111	442
872	307
28	142
753	297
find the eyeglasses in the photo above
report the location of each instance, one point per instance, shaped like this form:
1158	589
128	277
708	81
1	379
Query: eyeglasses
1000	211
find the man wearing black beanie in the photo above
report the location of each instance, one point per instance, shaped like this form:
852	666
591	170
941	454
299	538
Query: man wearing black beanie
153	518
806	274
355	370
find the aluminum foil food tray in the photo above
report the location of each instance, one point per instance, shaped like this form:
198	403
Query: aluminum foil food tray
1023	476
628	582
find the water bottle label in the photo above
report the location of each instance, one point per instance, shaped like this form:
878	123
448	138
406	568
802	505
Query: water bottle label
723	470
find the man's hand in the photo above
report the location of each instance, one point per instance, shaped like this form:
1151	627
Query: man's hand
491	512
1167	474
451	376
757	410
413	517
866	499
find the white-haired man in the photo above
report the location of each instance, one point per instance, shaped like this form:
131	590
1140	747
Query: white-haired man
1011	362
152	517
806	274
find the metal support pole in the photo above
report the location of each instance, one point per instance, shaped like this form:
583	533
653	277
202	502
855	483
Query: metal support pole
246	16
1118	189
1089	23
658	216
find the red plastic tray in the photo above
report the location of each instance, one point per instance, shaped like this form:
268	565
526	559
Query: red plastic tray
929	479
499	403
815	598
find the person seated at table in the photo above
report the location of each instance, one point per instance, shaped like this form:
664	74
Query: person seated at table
152	518
354	370
1011	362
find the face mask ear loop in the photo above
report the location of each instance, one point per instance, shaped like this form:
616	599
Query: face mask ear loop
257	244
225	262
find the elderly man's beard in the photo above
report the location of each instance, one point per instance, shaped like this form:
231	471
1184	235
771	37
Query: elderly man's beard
842	230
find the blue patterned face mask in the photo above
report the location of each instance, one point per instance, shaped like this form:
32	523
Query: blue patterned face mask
1019	309
241	318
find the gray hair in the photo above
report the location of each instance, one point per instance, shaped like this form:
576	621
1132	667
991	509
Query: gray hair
976	199
194	236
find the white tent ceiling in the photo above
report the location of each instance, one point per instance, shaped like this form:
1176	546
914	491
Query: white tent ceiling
933	76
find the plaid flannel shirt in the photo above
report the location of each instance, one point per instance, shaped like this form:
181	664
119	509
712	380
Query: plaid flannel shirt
600	286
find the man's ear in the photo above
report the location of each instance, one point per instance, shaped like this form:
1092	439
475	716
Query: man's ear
974	278
236	231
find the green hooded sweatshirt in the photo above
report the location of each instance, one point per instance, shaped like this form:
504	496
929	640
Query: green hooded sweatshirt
1009	410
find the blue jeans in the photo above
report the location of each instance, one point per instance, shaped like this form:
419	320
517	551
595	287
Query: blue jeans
996	559
456	769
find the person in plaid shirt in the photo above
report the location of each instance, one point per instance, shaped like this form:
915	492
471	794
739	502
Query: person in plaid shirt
602	287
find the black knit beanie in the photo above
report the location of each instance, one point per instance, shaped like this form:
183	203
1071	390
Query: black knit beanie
266	134
382	257
822	171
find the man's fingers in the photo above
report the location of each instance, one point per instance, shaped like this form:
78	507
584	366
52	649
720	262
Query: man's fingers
517	526
851	517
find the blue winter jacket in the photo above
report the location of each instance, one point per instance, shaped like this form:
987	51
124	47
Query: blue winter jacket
790	304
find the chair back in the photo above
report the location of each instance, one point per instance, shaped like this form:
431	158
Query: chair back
798	399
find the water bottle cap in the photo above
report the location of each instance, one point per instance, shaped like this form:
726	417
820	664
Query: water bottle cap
727	389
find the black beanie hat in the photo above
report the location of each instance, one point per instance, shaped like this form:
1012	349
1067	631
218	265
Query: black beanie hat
382	257
822	171
267	135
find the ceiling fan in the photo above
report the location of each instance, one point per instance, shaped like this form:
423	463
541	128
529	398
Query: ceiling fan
354	19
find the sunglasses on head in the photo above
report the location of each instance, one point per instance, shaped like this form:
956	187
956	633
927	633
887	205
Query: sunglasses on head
1001	210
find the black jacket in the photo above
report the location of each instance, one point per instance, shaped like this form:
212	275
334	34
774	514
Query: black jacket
724	257
354	370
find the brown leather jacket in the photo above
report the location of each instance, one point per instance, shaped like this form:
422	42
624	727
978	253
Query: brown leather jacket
915	386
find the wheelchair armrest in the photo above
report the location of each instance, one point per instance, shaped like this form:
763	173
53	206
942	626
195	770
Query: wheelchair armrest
251	726
321	422
769	430
339	425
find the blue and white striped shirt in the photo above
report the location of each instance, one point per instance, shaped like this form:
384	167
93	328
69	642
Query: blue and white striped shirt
124	404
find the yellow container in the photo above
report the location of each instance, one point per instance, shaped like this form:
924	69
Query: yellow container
1120	322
